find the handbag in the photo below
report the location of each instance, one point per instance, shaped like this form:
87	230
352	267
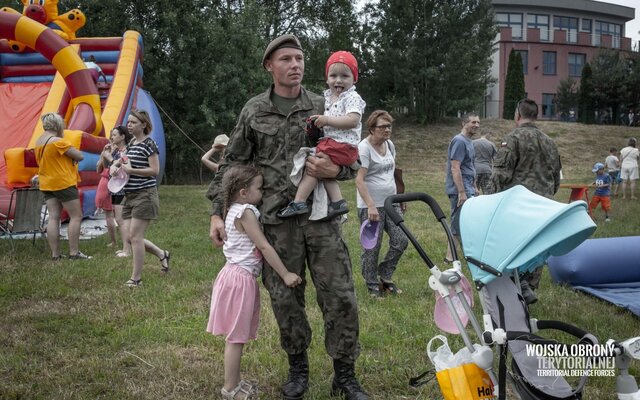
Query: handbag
458	377
618	178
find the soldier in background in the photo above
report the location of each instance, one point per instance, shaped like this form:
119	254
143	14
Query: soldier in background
530	158
269	132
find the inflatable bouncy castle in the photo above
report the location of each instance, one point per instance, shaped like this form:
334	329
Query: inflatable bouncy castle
42	70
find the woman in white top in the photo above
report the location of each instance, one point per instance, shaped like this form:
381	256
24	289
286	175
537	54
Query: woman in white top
629	157
375	183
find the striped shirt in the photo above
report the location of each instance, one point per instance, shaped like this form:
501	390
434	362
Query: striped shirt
138	154
238	248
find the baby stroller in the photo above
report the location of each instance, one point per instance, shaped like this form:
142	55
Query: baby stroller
503	235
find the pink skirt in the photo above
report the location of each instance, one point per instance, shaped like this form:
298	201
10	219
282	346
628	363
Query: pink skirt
235	305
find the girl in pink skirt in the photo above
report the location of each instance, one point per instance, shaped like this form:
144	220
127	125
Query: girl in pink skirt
235	301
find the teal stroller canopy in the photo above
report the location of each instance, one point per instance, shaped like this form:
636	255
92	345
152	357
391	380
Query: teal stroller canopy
518	229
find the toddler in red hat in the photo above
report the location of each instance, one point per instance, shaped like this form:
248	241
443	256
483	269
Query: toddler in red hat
342	128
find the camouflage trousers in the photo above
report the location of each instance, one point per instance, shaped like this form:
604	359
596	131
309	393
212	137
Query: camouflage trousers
398	243
484	183
321	248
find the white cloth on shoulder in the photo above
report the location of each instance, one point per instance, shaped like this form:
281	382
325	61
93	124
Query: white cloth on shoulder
320	197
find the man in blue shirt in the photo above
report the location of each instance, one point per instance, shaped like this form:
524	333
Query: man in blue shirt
461	173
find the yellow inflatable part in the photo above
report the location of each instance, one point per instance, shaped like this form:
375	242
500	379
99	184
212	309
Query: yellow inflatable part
19	175
52	103
67	61
91	100
123	81
28	31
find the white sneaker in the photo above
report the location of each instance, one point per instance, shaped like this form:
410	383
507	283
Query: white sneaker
607	220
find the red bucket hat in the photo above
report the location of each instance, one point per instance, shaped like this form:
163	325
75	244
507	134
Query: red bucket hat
345	58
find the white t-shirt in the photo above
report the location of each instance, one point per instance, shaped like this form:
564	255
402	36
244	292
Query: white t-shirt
348	102
379	178
612	163
238	248
629	156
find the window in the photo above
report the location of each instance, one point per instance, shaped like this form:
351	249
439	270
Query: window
541	22
548	62
547	105
568	24
513	21
524	55
586	25
606	28
576	62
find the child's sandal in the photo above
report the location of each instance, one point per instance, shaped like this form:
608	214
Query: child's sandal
244	390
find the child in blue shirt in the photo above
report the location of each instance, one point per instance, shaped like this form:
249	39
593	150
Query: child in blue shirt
603	191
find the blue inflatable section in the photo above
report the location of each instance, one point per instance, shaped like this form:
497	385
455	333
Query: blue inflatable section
88	203
145	102
607	268
89	162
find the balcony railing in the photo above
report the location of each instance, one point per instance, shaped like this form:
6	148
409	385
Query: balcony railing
566	36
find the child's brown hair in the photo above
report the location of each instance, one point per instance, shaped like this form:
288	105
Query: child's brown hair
235	179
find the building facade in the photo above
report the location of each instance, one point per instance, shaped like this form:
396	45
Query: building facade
555	39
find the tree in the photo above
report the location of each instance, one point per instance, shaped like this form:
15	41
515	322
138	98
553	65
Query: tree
513	85
611	88
426	57
202	57
586	104
634	81
566	98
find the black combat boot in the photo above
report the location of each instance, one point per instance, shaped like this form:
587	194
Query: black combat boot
345	382
298	381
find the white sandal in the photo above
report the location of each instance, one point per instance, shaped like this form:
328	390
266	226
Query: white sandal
243	391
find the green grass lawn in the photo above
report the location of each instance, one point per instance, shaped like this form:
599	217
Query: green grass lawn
71	330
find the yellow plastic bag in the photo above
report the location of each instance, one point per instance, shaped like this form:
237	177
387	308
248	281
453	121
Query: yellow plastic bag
465	382
458	376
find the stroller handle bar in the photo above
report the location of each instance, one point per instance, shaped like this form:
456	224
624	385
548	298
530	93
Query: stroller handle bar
409	197
398	219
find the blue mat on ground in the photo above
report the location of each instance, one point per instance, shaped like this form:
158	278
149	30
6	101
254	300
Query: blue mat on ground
607	268
628	298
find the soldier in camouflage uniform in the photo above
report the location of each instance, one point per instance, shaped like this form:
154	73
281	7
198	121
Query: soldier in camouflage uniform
529	158
269	132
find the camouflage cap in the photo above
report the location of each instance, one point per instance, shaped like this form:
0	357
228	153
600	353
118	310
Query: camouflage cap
281	42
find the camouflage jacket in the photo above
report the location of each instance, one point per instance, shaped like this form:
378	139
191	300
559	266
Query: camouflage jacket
268	139
530	158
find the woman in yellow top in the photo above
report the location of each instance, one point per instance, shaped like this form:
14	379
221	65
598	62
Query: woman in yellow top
58	177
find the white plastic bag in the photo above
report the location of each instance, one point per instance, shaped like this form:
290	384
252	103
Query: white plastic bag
442	358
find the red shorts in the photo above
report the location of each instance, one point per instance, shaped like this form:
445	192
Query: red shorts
340	153
605	200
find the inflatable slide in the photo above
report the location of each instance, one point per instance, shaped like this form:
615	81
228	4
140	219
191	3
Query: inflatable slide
42	69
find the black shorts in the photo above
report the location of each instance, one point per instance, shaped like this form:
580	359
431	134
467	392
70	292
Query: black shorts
117	199
64	195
